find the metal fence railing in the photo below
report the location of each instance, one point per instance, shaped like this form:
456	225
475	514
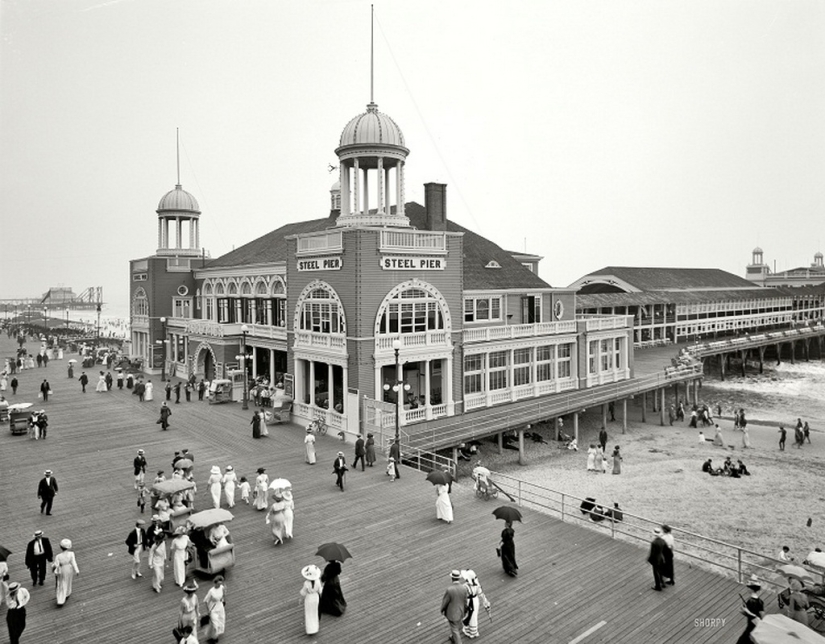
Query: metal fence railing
729	559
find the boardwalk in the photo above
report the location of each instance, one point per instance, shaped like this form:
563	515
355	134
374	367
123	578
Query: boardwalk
572	579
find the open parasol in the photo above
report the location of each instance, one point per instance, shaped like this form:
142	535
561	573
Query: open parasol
4	553
439	477
792	571
815	558
173	486
183	464
779	629
279	484
480	471
20	406
72	361
333	552
206	518
507	513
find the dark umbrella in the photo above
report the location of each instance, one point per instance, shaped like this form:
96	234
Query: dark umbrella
333	552
4	553
439	477
507	513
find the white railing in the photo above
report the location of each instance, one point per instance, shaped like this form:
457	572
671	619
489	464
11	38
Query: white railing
508	331
319	243
266	331
602	323
337	341
209	328
413	340
413	240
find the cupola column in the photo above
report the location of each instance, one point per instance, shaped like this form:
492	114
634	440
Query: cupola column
356	179
399	189
380	206
160	233
366	197
345	195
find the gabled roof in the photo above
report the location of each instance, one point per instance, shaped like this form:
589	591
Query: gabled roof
603	300
478	253
670	279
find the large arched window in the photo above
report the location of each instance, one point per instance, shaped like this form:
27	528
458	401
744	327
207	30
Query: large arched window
278	302
320	310
140	303
412	309
246	303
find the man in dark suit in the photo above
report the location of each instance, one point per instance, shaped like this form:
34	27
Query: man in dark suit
454	605
165	412
339	467
140	468
656	558
84	380
46	491
136	544
38	554
360	452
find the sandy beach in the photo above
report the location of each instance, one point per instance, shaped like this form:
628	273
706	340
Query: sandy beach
662	480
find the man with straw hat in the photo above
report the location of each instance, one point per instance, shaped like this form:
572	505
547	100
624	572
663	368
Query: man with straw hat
16	599
753	609
136	544
454	605
38	554
656	557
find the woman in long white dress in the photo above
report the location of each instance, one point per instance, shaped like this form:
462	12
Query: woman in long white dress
311	597
261	487
229	480
746	437
147	393
214	601
289	513
214	485
275	518
443	507
591	458
178	548
264	430
101	383
218	535
309	445
477	600
65	568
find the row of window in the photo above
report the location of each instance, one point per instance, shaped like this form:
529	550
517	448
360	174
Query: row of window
604	355
485	309
492	371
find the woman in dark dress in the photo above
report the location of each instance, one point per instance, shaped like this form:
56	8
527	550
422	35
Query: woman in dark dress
256	425
508	550
332	599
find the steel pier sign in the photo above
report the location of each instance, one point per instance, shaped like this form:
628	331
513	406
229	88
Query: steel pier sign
411	263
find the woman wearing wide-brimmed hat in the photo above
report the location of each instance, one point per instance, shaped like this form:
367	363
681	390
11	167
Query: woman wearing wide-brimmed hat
309	446
214	485
477	599
215	600
311	597
189	613
275	518
157	553
370	450
178	549
229	479
289	513
65	568
261	489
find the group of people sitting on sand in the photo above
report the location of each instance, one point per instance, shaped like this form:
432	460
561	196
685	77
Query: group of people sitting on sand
728	468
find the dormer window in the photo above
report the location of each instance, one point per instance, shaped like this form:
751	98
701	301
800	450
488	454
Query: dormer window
493	264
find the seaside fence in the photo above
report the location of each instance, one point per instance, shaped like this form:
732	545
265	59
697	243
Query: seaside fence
727	558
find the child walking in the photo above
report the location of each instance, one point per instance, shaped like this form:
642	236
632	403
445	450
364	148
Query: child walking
391	468
244	487
142	493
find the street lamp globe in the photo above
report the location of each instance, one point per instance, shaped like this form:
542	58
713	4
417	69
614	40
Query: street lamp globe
396	344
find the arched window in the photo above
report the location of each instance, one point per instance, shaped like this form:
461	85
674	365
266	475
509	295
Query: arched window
278	303
320	310
411	309
208	302
140	303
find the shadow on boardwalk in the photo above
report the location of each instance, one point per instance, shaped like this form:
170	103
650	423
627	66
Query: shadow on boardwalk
572	579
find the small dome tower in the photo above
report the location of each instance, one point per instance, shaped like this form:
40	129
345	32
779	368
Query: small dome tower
178	210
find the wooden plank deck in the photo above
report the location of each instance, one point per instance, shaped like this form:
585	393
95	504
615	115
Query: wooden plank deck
572	578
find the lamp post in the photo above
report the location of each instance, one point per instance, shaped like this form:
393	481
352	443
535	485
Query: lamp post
97	340
46	321
162	343
399	388
67	325
242	358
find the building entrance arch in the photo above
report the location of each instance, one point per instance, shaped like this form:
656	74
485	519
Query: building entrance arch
205	361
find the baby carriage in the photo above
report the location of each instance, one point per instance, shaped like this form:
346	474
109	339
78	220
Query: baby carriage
484	487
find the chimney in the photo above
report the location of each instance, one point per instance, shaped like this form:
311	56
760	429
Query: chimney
435	201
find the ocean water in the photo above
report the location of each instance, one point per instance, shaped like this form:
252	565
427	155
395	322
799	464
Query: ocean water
781	394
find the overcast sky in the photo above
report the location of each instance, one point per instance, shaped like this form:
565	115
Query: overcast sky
593	133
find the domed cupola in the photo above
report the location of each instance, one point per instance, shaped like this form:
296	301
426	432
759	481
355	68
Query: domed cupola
178	214
372	146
